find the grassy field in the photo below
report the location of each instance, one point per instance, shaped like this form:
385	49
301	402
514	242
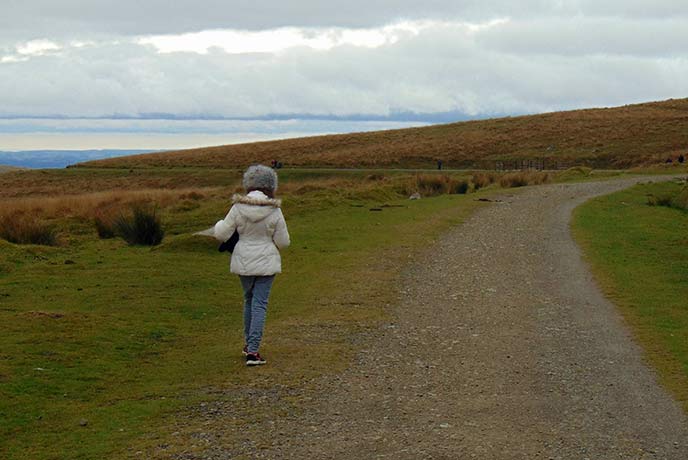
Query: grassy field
103	342
619	137
639	255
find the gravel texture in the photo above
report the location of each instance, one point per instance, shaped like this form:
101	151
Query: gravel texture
501	347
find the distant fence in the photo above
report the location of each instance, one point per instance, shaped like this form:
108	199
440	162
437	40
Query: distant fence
519	164
523	164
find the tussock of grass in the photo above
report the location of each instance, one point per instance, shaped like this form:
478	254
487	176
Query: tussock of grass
105	226
523	178
459	187
680	201
104	219
672	199
483	179
429	185
663	200
140	226
24	228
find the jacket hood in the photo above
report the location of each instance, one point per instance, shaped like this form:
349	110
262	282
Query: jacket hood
255	206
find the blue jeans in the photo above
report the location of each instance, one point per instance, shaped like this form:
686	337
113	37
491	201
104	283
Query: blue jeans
256	293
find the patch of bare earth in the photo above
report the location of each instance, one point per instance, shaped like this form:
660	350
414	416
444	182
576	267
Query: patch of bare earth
501	347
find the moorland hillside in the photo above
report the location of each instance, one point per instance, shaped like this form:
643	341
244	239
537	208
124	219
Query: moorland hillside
619	137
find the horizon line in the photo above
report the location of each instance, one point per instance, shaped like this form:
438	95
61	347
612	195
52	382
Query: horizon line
400	116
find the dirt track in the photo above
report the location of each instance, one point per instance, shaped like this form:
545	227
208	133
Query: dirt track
501	348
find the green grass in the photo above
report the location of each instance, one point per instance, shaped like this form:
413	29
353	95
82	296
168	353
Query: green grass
639	254
124	337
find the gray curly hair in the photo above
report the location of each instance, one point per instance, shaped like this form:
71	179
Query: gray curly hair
260	177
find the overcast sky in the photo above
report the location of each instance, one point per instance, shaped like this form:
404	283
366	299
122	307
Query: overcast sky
227	58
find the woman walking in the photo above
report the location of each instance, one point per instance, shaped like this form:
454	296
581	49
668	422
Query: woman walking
262	230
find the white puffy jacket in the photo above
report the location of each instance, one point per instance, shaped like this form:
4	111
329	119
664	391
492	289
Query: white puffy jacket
262	232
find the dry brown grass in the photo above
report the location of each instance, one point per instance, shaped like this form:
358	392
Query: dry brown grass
483	179
25	228
72	181
432	185
100	204
523	178
619	137
315	185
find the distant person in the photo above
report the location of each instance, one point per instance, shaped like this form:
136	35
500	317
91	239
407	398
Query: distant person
439	165
262	230
681	158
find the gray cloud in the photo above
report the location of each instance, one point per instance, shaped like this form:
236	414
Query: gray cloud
33	19
549	56
581	36
443	69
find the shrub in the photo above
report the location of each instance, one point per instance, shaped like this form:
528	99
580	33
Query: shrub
141	226
20	228
513	180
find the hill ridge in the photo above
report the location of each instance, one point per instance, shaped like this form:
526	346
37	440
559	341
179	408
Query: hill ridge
610	137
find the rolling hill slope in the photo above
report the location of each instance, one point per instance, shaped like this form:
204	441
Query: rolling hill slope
617	137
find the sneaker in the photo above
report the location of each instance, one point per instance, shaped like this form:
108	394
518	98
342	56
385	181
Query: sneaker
245	350
254	359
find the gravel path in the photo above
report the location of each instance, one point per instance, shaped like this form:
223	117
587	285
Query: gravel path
502	347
